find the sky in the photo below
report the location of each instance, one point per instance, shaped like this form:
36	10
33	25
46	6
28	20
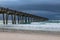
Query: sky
44	8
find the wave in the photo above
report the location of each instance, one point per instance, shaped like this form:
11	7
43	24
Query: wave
51	25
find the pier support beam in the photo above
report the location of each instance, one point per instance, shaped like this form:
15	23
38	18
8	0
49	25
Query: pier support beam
22	19
18	19
25	19
14	18
35	20
6	18
31	19
3	18
28	19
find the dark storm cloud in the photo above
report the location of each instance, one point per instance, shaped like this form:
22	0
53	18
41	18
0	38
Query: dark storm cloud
45	8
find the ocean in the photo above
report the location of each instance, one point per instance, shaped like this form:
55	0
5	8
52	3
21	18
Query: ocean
51	25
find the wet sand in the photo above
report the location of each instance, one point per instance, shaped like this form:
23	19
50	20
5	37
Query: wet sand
28	36
13	34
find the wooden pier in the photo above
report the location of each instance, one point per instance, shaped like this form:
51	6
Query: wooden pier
22	17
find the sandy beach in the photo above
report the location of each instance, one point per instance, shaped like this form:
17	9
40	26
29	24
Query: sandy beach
6	33
14	34
27	36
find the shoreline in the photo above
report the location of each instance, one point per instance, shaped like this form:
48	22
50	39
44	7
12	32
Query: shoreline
30	31
28	35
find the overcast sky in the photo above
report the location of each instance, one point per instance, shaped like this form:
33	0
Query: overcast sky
44	8
23	2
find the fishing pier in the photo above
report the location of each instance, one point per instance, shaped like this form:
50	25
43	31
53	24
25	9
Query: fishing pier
22	17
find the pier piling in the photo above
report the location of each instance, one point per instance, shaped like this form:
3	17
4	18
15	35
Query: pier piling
3	18
6	18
